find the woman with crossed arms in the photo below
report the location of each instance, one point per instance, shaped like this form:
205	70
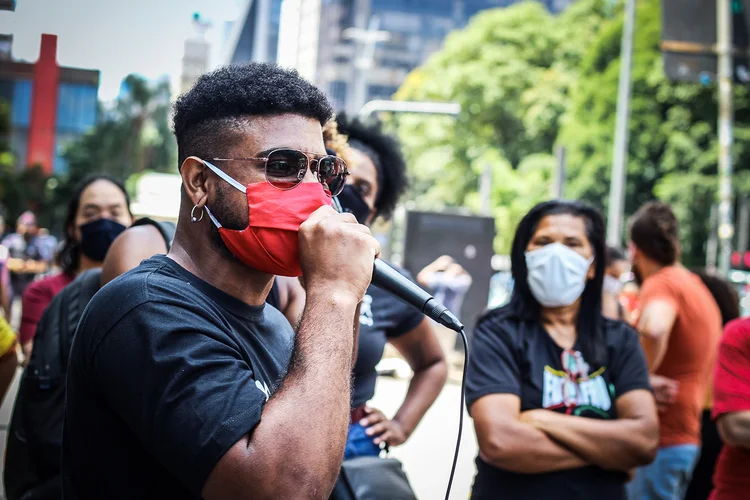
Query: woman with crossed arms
559	394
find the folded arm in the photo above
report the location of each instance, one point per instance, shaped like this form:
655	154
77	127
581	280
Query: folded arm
621	444
510	444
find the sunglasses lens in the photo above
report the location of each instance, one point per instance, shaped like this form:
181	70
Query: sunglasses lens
332	174
285	168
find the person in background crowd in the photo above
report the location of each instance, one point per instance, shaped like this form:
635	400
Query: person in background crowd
373	189
728	300
4	282
617	267
32	465
559	394
8	357
97	213
28	257
190	329
731	409
680	326
448	280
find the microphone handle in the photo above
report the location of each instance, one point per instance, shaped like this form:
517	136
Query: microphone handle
390	280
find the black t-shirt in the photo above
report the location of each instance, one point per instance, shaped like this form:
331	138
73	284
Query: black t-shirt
166	373
381	317
511	356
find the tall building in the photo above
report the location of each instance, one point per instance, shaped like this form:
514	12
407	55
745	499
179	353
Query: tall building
356	50
255	36
50	105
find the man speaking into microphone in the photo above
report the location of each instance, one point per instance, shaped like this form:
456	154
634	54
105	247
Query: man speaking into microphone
181	384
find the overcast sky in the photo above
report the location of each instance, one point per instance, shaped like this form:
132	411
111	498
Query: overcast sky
117	37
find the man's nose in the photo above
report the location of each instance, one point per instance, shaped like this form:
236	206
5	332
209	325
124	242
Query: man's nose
309	176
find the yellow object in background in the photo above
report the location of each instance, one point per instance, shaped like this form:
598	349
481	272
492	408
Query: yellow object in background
7	337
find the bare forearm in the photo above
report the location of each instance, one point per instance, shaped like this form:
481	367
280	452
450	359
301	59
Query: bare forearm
424	388
527	450
735	429
318	387
620	444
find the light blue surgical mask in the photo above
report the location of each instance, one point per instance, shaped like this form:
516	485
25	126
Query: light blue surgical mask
556	274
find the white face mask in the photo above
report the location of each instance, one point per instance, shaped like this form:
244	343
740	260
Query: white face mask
557	274
612	285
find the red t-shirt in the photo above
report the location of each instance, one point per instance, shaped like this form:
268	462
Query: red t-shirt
731	394
36	298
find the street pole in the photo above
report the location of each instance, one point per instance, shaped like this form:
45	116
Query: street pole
725	125
620	153
558	182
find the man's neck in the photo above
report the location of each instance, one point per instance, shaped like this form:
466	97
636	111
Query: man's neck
650	268
228	275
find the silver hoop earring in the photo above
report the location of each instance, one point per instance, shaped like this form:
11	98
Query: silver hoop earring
193	218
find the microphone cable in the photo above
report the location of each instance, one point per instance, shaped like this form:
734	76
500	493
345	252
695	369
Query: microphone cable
461	413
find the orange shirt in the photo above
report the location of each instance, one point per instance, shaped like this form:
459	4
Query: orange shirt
691	349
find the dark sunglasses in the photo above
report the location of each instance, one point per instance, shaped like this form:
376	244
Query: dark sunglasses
285	169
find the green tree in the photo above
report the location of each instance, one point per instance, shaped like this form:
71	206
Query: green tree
512	70
673	138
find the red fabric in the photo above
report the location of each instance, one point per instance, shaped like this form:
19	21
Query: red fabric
731	394
270	242
36	298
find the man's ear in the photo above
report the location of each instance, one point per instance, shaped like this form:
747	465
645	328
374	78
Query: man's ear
193	172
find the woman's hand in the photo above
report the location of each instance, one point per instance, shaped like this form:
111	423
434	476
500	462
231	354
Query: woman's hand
384	430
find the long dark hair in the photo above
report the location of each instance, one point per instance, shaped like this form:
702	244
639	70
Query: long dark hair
69	256
524	306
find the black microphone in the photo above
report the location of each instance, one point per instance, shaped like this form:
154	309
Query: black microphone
401	287
398	285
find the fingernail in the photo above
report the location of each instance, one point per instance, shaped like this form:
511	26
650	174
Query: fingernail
368	432
363	422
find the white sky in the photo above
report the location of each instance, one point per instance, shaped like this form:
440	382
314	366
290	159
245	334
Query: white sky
117	37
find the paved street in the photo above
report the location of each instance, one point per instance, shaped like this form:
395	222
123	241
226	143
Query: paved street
428	454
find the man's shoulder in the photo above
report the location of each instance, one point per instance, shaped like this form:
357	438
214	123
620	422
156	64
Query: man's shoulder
737	333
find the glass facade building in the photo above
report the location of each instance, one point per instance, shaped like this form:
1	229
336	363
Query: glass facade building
328	54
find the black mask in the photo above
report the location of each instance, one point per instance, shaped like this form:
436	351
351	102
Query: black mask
637	276
353	203
97	236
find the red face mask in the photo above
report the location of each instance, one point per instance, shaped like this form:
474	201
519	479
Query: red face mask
270	242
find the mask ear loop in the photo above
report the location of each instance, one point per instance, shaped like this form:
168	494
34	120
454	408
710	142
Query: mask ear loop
224	176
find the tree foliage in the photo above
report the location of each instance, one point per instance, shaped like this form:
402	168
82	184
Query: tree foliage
512	70
528	81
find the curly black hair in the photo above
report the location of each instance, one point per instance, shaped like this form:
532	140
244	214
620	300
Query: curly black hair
390	161
208	119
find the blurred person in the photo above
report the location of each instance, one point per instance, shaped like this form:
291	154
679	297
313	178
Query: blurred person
97	213
680	326
559	394
32	465
731	409
202	410
4	282
27	255
377	180
448	280
728	300
617	267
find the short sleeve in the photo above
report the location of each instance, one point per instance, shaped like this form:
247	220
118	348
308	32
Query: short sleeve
494	365
627	361
659	287
180	384
732	371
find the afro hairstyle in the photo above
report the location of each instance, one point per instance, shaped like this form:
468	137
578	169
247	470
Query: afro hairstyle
209	118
